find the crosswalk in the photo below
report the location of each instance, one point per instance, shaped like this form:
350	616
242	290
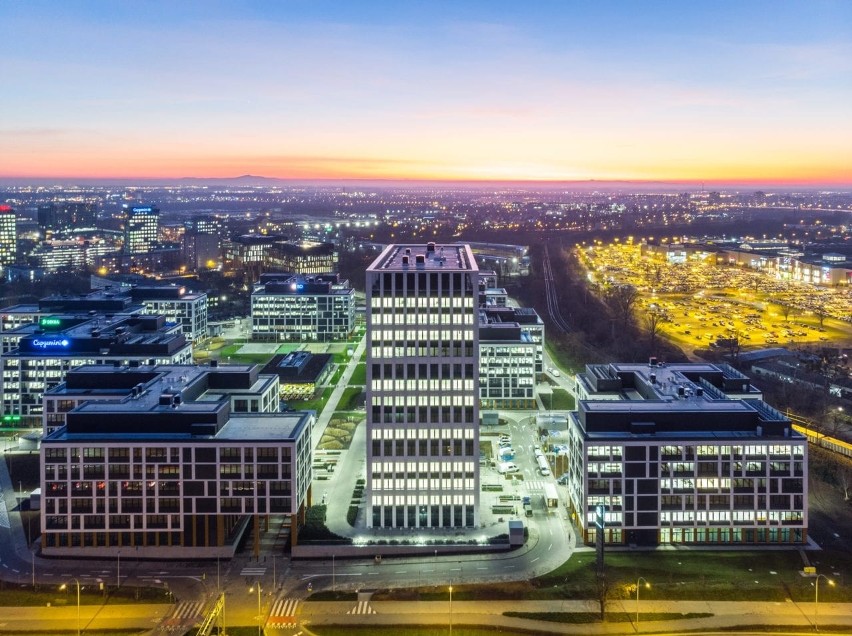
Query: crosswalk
188	609
534	485
363	607
185	610
4	515
256	571
283	613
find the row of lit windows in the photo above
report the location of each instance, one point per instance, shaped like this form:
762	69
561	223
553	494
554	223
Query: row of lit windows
434	318
421	303
604	451
422	385
423	433
421	334
422	400
726	450
423	500
423	484
737	516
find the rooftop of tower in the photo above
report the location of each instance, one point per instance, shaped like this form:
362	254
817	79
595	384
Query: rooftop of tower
429	256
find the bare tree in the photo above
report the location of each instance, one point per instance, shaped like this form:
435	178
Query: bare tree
821	312
844	479
602	593
786	310
653	320
622	299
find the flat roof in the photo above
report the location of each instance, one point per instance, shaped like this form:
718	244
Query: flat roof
690	404
265	426
447	258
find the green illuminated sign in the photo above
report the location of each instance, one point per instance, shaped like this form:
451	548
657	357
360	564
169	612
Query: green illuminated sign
50	322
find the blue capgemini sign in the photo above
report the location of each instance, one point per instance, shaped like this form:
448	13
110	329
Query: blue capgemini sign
51	343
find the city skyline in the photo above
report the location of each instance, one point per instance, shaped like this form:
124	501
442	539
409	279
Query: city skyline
719	93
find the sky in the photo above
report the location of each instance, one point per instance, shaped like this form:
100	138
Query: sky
721	91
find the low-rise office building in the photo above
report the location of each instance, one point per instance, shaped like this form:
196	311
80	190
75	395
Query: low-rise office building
299	308
170	471
300	373
506	366
683	454
527	320
185	308
45	351
304	258
249	389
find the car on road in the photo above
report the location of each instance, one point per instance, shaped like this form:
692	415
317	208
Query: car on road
507	467
554	372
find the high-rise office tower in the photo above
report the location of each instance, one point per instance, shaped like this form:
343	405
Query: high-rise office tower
140	231
62	217
422	388
8	236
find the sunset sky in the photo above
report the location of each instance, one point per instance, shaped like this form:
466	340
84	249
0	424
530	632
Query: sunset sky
756	92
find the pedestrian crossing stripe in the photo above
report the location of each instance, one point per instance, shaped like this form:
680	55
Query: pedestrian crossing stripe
188	609
363	607
252	571
284	607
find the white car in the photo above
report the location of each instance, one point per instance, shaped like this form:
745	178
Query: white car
554	372
507	467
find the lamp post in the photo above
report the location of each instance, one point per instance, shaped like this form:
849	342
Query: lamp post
816	598
118	570
333	579
64	587
259	616
647	586
451	610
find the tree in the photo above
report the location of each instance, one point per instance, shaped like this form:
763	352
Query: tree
844	479
653	320
621	299
602	593
821	312
786	310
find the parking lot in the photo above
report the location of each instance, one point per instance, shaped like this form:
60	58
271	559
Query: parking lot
704	305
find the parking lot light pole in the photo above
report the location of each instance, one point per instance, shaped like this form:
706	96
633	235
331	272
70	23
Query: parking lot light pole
451	610
638	585
816	598
65	586
259	615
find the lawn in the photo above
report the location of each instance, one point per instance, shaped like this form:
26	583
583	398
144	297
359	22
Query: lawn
413	630
611	617
689	575
351	399
359	375
562	400
24	596
724	575
317	404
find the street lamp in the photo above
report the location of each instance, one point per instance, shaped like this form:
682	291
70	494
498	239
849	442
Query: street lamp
65	587
816	598
259	616
451	610
647	586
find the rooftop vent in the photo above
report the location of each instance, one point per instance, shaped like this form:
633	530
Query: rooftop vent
421	259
